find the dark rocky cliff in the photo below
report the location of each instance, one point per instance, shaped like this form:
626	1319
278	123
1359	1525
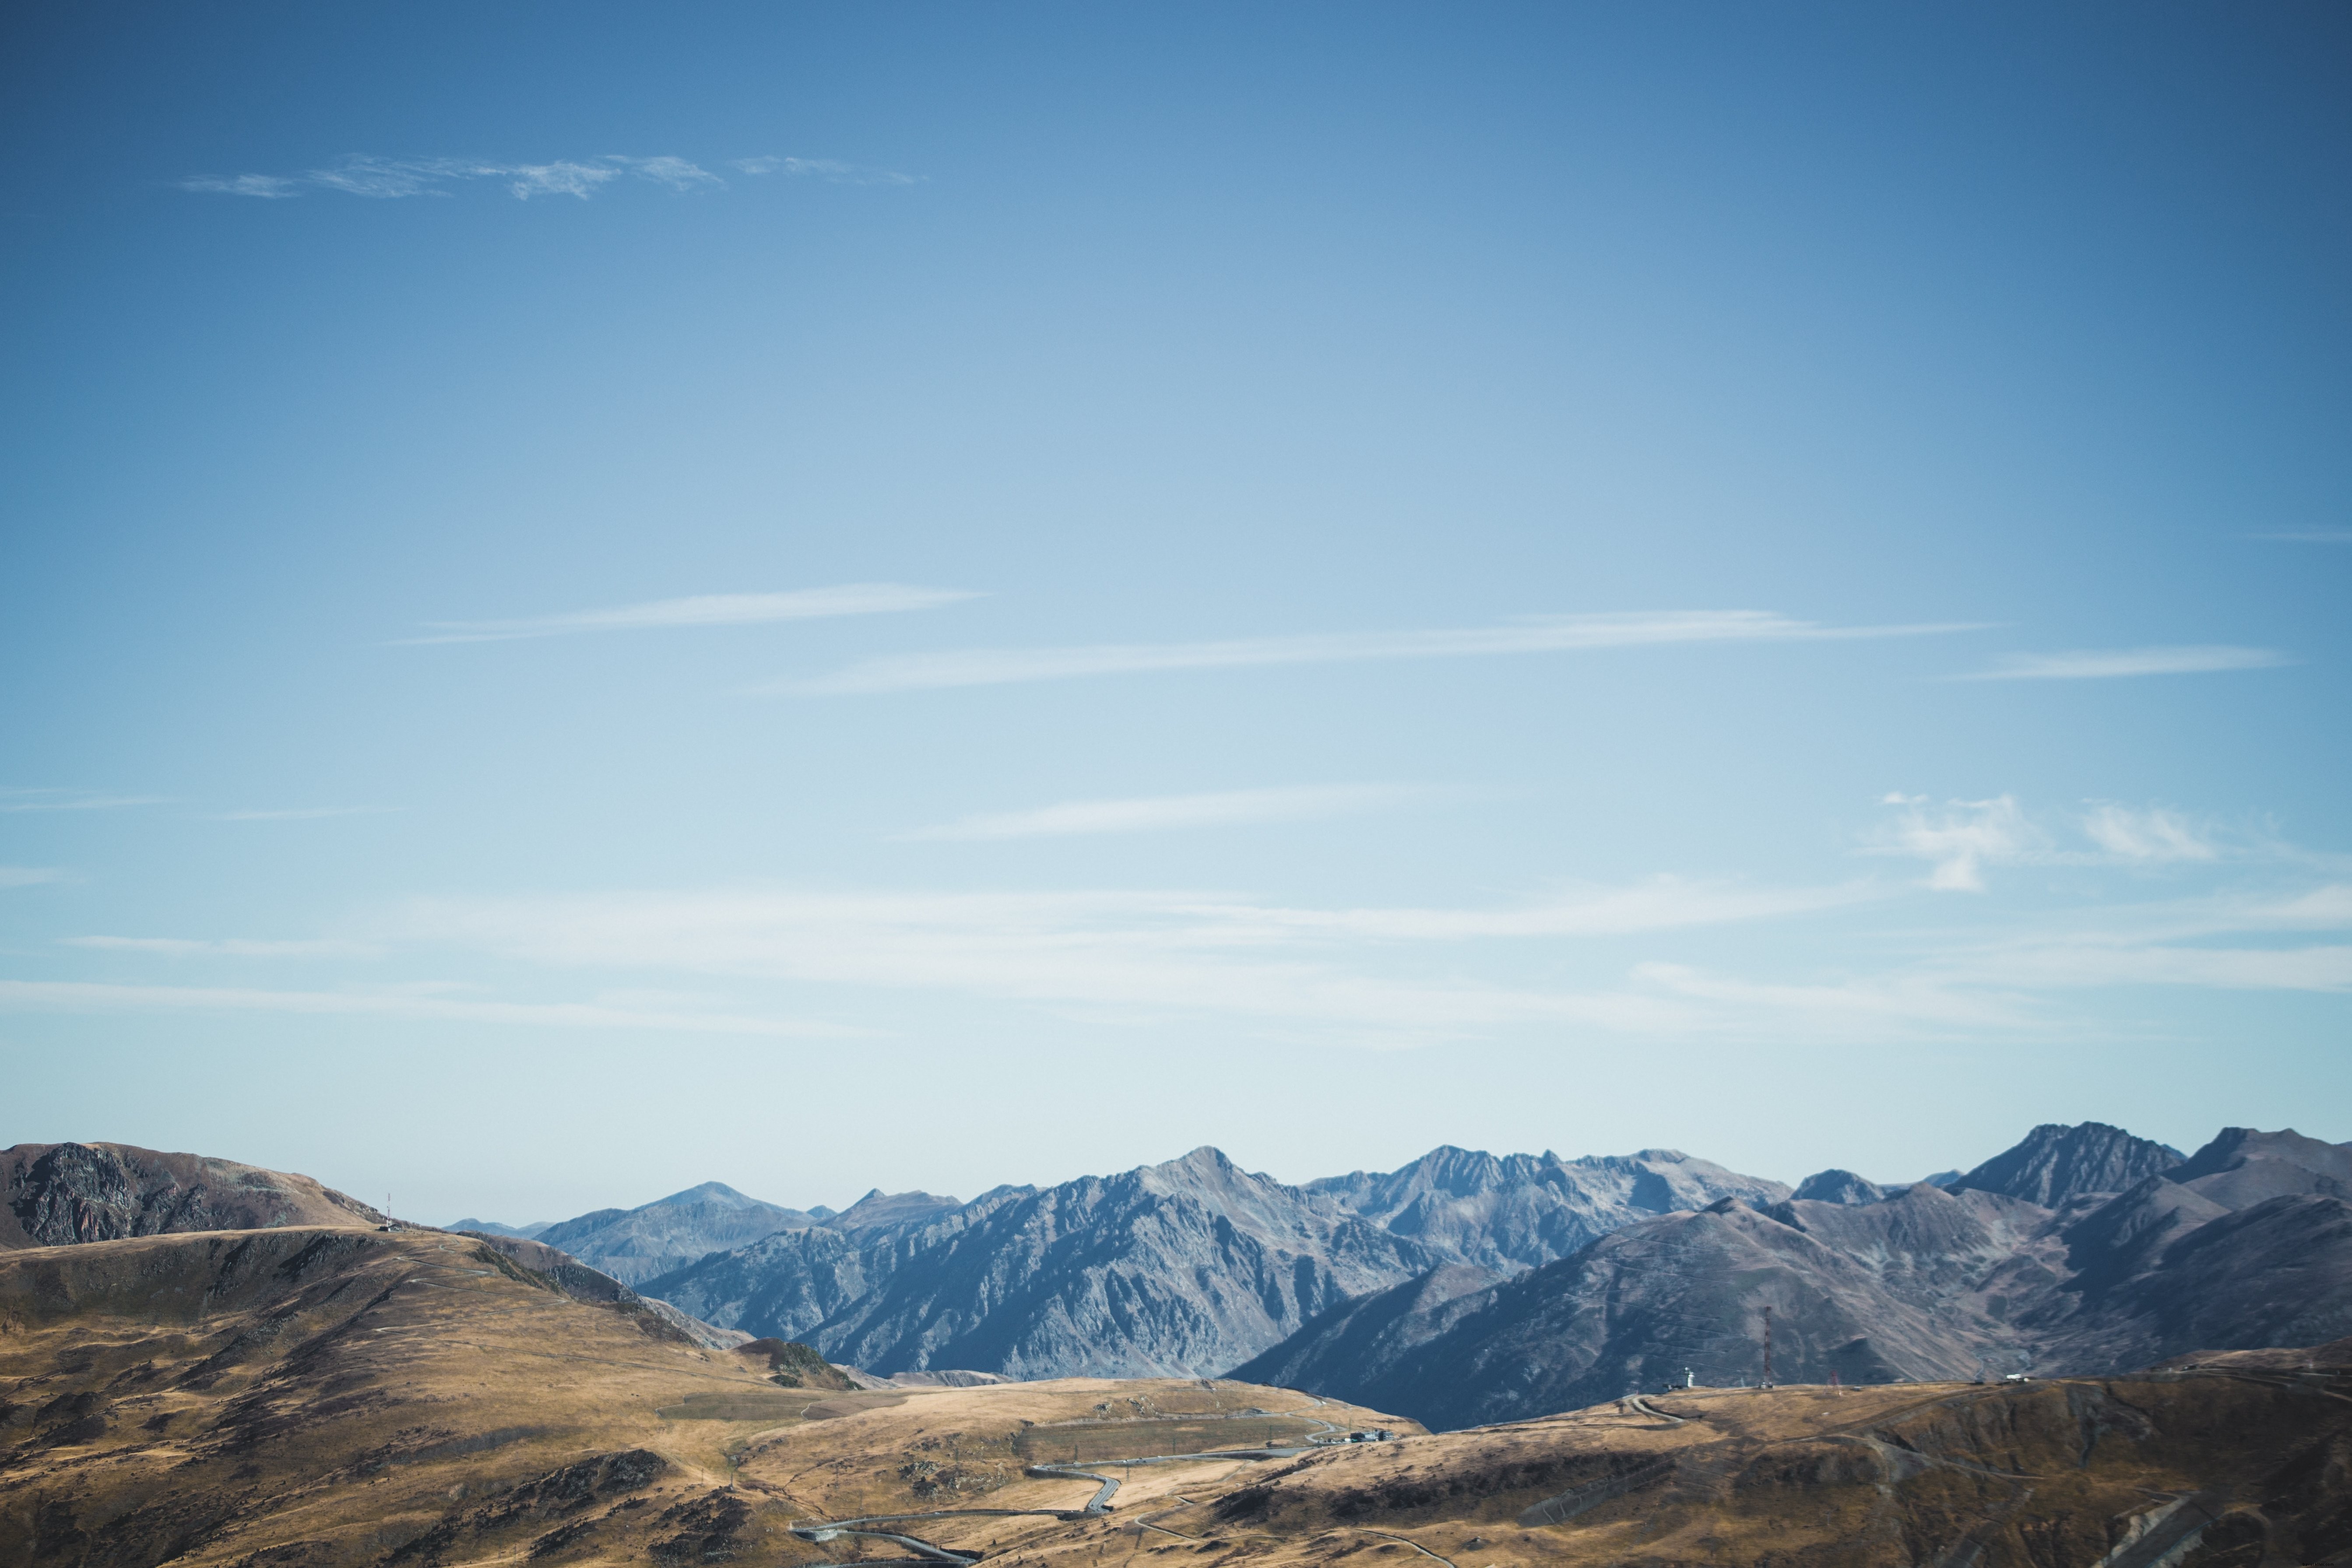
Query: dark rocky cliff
55	1195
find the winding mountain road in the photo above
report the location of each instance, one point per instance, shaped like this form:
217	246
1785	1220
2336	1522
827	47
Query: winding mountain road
1093	1507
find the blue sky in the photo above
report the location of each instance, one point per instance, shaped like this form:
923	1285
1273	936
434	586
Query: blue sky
599	598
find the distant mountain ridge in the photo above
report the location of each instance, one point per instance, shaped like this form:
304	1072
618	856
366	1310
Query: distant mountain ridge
635	1244
2252	1248
1173	1269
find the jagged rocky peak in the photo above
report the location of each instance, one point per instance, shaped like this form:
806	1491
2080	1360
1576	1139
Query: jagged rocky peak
2056	1164
1207	1176
1836	1186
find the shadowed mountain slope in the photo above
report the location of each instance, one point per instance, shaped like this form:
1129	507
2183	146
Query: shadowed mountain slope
1925	1283
1151	1272
1178	1268
59	1194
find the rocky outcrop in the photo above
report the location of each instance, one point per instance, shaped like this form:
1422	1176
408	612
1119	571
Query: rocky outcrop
56	1195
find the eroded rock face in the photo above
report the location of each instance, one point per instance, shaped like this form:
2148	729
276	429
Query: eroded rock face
60	1194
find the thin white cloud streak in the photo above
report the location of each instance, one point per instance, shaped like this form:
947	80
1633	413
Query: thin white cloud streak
300	812
2111	664
1558	634
1158	814
1901	1005
2149	835
2207	942
676	172
82	997
224	947
1156	952
704	610
1660	904
1180	953
1174	954
25	800
1962	838
2308	536
29	876
1165	953
830	170
396	179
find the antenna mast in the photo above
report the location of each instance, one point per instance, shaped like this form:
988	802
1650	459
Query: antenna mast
1768	1347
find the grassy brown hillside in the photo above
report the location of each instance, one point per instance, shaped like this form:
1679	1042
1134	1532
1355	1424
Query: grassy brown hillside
309	1396
2186	1470
317	1397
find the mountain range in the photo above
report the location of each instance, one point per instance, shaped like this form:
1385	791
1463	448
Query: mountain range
2031	1260
1462	1287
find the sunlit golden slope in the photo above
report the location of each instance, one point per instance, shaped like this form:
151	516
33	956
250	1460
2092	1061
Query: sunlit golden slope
310	1398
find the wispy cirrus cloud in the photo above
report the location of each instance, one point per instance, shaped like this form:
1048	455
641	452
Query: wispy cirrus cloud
299	813
394	179
2146	835
2108	664
1376	976
23	800
224	947
1162	812
1131	951
1556	634
832	170
84	996
704	610
1360	971
29	876
2308	536
1961	838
